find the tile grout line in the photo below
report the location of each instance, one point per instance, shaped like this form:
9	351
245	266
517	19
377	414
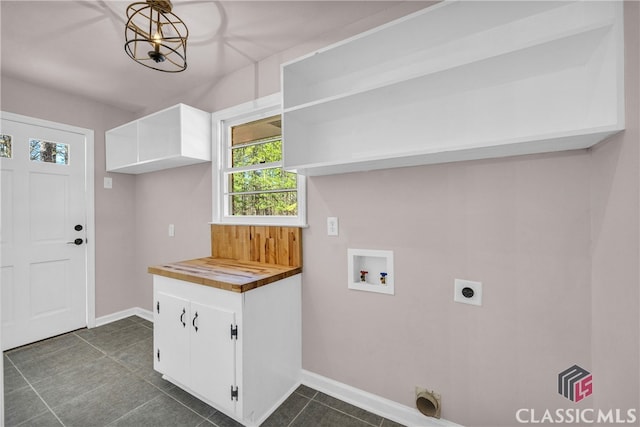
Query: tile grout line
87	342
111	333
37	394
206	420
301	411
350	415
118	362
181	403
32	345
104	355
133	372
137	407
165	393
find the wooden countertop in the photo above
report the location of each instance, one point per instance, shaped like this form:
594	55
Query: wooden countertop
231	275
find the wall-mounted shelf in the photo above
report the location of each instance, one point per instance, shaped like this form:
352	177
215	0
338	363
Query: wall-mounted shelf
177	136
371	270
458	81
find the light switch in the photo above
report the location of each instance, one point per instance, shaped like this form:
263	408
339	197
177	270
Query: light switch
172	230
332	226
108	182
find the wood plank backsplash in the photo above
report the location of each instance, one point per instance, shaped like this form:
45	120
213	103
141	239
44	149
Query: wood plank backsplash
266	244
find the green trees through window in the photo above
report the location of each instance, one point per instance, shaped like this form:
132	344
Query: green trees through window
257	183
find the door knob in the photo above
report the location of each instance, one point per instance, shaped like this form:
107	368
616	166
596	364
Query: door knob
78	227
76	242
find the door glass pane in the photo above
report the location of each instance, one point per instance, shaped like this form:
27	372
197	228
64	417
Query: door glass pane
5	146
48	152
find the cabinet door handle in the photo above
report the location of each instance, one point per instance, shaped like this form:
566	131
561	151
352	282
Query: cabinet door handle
184	311
194	321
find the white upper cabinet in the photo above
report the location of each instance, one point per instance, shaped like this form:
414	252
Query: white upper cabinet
177	136
457	81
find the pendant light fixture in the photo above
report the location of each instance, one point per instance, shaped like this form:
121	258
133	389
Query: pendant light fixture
155	37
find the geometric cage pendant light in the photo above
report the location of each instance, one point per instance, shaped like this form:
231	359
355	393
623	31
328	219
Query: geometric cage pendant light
155	37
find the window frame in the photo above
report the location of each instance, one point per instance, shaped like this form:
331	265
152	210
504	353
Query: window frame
222	122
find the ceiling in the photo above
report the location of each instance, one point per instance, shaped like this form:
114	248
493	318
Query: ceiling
78	46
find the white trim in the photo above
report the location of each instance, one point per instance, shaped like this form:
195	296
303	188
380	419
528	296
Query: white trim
378	405
134	311
91	227
88	134
220	120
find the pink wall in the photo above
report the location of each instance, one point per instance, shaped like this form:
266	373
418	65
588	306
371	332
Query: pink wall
615	216
554	239
180	196
519	225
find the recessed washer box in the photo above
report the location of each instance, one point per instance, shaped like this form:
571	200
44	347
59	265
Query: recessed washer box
371	270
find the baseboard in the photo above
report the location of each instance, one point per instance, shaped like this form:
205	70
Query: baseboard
378	405
145	314
134	311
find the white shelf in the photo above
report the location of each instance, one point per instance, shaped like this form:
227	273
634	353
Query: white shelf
521	78
174	137
377	264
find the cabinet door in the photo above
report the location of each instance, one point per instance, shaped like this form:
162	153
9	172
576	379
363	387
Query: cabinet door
171	337
213	358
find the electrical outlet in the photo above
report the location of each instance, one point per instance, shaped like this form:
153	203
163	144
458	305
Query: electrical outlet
467	292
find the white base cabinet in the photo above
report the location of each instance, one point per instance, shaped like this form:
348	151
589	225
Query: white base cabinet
239	352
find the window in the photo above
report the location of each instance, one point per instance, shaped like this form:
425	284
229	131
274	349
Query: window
48	152
253	186
5	146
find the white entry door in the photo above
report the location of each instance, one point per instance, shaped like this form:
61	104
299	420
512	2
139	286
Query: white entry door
43	234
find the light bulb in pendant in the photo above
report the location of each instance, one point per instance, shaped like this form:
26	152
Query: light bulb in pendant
155	53
157	40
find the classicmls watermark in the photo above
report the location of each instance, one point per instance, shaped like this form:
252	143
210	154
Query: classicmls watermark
576	416
576	383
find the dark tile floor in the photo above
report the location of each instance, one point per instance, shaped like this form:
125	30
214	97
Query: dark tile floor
104	377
